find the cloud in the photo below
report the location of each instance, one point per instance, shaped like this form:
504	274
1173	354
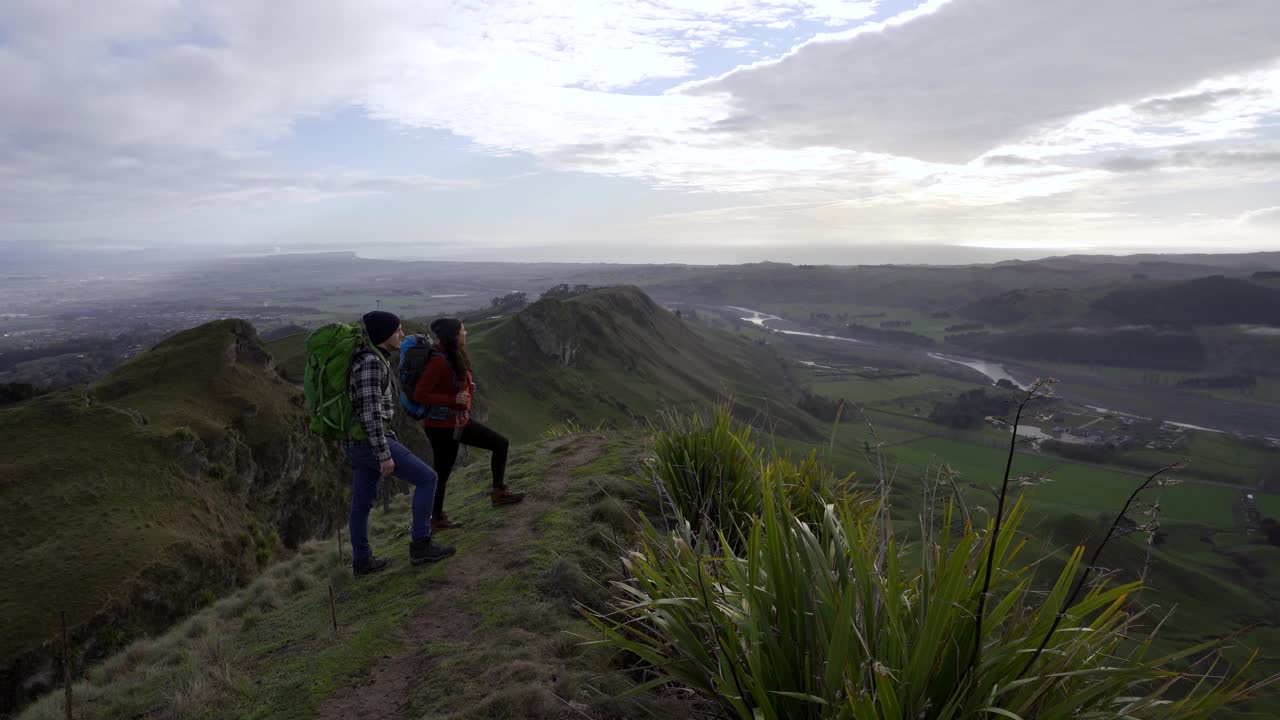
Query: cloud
85	186
1011	161
1266	217
1130	163
1193	157
1191	104
983	120
951	84
142	90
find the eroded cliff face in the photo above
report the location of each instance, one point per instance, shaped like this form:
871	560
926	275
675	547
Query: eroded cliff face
174	480
553	331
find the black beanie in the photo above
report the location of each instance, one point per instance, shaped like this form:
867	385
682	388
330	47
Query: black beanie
446	329
380	325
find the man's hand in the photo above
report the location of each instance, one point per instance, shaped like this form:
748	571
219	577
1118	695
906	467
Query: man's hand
463	398
386	467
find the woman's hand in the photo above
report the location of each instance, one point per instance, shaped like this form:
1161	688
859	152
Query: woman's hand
464	398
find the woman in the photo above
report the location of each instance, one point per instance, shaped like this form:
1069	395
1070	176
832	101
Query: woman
445	389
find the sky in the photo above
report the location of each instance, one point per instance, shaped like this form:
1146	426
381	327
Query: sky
836	131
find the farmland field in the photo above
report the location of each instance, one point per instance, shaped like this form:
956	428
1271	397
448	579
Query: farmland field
914	446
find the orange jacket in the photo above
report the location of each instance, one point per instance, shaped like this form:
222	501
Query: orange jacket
438	388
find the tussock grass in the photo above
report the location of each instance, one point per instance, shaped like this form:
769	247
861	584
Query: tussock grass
611	513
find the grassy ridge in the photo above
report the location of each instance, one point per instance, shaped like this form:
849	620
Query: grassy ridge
608	356
507	647
135	500
614	356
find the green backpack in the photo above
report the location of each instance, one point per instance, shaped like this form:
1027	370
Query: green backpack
330	350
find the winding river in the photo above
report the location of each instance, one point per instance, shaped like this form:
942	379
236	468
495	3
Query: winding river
994	372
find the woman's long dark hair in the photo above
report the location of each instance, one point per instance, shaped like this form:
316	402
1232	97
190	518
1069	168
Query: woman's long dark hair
459	361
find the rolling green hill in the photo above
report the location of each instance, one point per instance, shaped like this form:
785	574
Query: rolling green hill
614	356
611	356
132	501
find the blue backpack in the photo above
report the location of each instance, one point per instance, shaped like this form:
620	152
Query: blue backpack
415	353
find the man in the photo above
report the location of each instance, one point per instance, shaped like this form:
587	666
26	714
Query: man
373	401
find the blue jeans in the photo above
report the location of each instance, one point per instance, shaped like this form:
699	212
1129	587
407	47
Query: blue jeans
364	490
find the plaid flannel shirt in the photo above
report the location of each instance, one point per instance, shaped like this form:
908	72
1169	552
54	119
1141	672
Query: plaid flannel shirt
372	400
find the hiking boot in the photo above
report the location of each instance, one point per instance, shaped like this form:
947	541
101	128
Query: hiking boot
502	496
368	566
442	522
425	551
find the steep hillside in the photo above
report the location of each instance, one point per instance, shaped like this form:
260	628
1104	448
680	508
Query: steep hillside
613	355
132	501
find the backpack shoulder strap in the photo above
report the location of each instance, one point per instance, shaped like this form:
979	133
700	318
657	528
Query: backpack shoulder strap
359	355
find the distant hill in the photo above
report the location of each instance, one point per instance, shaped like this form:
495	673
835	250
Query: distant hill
923	287
614	355
1121	347
132	501
1239	262
1045	305
1213	300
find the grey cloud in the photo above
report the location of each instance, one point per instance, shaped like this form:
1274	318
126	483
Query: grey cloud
601	153
1243	157
1011	161
1186	105
736	123
1131	163
1194	157
81	185
112	109
974	74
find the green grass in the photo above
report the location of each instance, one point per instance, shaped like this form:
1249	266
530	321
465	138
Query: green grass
519	654
975	464
141	481
1093	490
1267	390
920	390
1234	457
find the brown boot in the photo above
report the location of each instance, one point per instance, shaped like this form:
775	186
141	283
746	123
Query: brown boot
502	496
442	522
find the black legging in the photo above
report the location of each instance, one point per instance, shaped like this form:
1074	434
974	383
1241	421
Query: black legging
445	450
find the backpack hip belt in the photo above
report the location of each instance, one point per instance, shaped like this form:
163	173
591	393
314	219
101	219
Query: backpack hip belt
440	412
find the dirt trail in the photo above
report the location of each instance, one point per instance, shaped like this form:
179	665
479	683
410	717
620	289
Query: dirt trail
383	690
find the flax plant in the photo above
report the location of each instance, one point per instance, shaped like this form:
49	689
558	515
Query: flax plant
785	605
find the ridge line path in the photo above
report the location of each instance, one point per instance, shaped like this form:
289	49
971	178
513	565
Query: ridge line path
383	690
